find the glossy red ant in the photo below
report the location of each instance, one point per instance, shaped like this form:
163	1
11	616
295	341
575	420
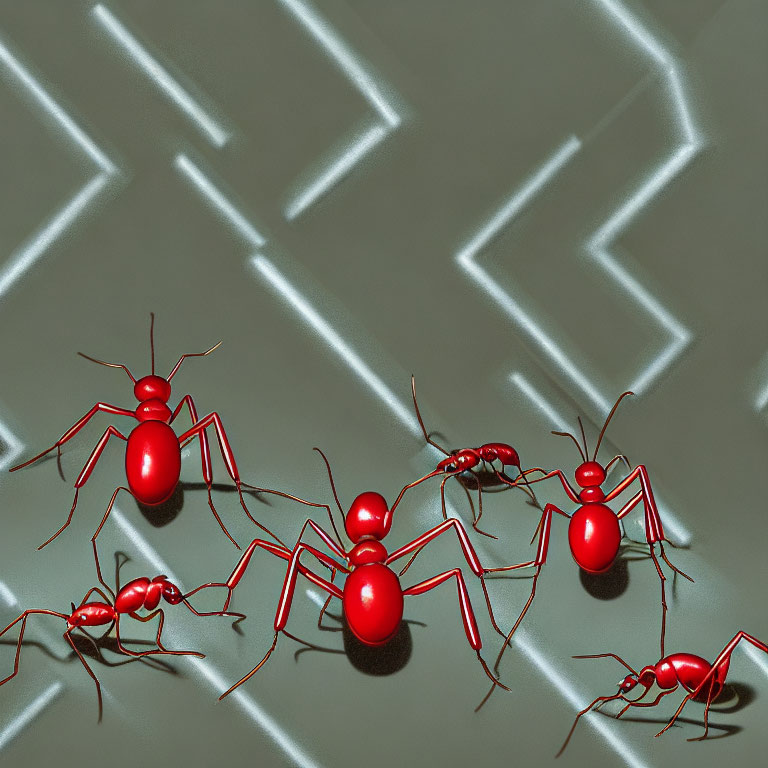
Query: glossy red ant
477	461
702	680
594	534
372	597
135	595
153	451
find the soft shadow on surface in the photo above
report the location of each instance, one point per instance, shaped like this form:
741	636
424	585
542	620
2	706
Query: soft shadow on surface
93	649
378	661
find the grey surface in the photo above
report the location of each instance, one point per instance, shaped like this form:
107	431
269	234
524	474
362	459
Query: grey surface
602	166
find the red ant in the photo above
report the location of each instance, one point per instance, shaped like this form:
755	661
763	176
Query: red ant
153	453
371	596
594	534
136	594
477	461
702	680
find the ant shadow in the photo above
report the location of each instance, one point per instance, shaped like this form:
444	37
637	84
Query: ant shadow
377	661
94	647
742	695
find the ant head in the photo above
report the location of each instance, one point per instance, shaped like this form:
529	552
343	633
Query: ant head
152	388
171	593
78	618
459	461
368	517
628	683
590	474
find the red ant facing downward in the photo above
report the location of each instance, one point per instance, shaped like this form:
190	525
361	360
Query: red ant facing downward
137	594
594	534
153	452
372	597
702	680
477	461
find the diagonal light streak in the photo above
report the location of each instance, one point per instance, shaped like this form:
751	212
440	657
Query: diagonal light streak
29	714
325	331
219	202
363	143
207	124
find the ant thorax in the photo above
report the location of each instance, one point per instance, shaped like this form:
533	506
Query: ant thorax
367	551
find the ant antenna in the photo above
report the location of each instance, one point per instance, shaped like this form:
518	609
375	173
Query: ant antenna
152	339
109	365
610	416
583	436
190	354
576	442
333	485
421	422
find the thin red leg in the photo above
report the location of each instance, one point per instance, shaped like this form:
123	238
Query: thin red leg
337	548
421	422
229	460
106	515
605	656
68	638
75	428
467	614
98	573
23	619
205	459
285	604
161	649
85	474
476	522
723	658
584	711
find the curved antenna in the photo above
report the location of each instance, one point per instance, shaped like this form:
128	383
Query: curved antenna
610	416
333	485
583	436
421	422
576	442
109	365
190	354
152	339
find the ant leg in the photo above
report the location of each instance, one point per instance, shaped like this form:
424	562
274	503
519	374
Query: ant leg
161	649
467	550
284	607
600	699
445	517
720	663
23	619
480	512
325	604
706	713
68	637
104	520
91	591
467	614
205	458
74	429
253	671
637	703
100	577
85	474
229	460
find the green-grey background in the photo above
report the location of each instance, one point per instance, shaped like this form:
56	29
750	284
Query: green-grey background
530	205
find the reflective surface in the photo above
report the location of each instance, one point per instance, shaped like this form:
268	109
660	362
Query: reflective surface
532	207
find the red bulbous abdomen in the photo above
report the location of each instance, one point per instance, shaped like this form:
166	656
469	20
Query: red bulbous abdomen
594	536
373	603
690	670
152	462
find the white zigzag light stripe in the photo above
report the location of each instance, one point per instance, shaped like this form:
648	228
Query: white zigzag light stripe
158	75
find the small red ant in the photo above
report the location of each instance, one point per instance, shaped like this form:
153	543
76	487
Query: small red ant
371	596
702	680
594	534
478	462
136	594
153	451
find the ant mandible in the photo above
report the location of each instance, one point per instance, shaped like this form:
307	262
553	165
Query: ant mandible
594	535
153	451
476	461
702	681
371	596
136	594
